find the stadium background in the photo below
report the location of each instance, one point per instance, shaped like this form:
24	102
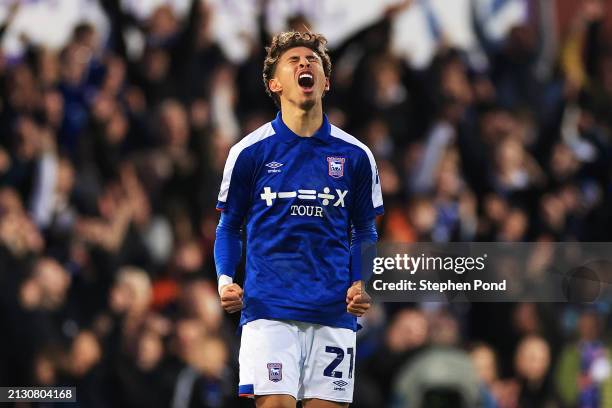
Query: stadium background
490	120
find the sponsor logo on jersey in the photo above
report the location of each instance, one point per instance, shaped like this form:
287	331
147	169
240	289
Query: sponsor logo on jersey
335	166
326	197
307	210
275	372
273	167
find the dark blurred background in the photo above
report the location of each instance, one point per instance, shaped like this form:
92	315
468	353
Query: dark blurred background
490	120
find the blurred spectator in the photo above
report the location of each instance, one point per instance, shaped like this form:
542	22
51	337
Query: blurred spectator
583	376
532	361
485	364
130	298
406	334
437	376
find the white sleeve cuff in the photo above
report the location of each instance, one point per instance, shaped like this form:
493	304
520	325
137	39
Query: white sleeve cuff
224	280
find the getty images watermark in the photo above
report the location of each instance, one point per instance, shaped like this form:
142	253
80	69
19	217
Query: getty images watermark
412	264
490	272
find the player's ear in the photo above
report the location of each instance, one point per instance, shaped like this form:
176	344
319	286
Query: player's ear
326	84
275	85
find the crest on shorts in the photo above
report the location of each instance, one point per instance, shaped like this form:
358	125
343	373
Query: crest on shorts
275	372
335	166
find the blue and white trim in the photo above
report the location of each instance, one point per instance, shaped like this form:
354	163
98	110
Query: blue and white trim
256	136
377	199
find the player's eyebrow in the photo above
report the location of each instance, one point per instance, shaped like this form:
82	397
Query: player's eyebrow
310	57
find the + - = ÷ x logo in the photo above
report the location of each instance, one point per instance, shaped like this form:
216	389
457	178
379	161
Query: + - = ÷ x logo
269	196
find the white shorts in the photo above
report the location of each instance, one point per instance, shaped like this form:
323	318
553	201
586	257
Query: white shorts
303	360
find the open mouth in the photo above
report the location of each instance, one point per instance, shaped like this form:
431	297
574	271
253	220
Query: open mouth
306	80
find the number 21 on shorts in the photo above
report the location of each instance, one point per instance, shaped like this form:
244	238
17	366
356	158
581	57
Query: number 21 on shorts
330	369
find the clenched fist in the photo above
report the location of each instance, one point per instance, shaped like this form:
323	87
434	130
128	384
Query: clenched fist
231	297
358	301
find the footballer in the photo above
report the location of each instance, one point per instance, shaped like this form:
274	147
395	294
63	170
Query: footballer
299	185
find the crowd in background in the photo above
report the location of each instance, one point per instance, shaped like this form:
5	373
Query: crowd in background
490	120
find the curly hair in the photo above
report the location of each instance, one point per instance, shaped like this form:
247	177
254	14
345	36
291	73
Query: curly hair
291	39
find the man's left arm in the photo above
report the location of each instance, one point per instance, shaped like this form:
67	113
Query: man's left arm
362	237
366	205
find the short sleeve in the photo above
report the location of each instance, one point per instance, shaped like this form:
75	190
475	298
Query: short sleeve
236	186
367	202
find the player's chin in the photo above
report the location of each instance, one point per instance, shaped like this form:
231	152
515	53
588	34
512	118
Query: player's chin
307	103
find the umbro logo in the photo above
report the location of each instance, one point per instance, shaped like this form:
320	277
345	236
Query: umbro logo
274	167
339	385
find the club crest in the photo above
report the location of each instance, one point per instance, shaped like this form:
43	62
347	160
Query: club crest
275	372
335	166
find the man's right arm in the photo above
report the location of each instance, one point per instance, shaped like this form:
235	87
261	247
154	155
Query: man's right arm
234	202
228	250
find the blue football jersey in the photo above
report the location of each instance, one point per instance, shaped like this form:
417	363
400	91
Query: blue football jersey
299	197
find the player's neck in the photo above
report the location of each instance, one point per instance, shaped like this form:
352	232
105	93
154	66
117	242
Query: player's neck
303	122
